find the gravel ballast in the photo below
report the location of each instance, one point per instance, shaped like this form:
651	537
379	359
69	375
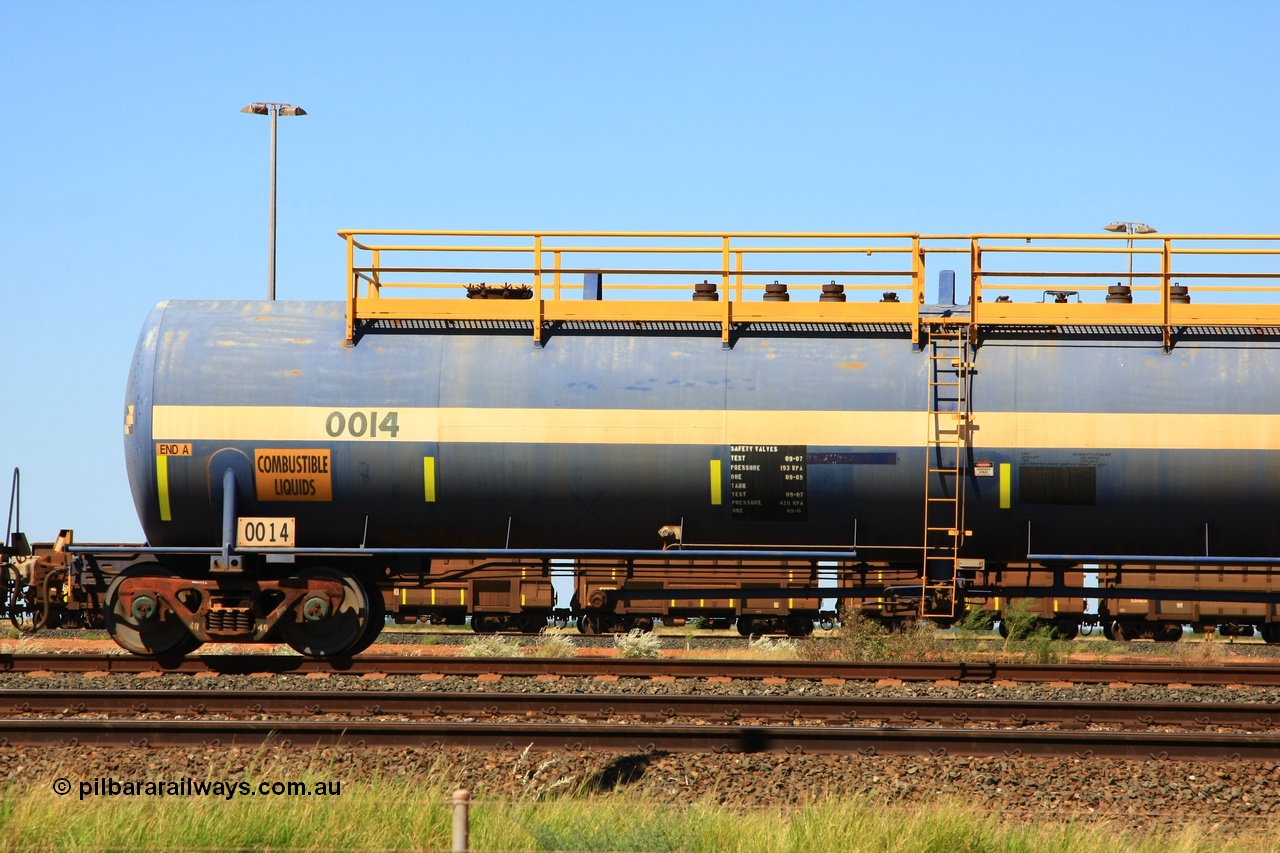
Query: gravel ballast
1233	797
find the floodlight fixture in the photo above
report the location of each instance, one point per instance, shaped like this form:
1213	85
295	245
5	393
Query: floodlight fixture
273	109
1122	226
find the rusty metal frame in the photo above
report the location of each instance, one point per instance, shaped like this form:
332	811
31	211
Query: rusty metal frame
167	589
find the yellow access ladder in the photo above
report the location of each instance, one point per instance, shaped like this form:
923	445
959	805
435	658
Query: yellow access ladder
946	462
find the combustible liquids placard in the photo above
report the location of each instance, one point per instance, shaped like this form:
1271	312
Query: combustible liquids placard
768	482
292	475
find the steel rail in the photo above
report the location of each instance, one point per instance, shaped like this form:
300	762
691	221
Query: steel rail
969	672
723	709
640	738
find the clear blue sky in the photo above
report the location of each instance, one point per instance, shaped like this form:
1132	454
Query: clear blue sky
130	176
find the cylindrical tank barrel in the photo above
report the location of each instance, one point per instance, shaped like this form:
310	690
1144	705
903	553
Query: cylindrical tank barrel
469	436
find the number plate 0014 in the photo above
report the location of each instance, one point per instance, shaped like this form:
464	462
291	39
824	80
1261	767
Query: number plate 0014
264	533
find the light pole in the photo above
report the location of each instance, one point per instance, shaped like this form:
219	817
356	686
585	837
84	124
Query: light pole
1130	228
273	109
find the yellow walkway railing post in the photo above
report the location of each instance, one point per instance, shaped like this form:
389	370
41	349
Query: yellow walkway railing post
351	290
540	309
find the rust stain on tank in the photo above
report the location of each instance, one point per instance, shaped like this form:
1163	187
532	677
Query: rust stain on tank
852	365
228	343
293	373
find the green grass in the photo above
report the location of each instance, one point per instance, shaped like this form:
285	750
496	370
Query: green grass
412	813
372	819
843	825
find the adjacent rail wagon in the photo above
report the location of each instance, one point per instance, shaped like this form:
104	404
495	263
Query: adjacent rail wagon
728	426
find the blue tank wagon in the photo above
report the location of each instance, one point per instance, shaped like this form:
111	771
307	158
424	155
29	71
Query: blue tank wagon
291	462
1094	444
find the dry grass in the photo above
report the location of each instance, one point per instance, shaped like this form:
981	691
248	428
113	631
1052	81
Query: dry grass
861	638
492	646
638	644
555	645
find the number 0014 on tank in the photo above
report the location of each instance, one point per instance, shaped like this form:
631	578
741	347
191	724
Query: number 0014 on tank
264	533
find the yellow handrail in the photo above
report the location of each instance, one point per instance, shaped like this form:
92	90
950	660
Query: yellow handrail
1230	277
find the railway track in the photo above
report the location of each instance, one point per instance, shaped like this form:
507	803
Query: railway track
1075	714
640	738
568	722
1254	675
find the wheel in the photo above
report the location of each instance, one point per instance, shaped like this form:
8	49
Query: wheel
20	601
339	632
1270	632
1003	628
589	623
1169	633
1065	630
1108	632
8	581
1122	633
643	623
533	623
798	626
746	627
377	621
166	635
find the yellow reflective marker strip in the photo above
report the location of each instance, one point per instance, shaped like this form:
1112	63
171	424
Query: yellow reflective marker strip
429	478
162	487
715	482
462	596
542	426
1006	484
404	595
522	599
433	595
1045	430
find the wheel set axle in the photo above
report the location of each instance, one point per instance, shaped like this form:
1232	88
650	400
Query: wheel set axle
319	611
